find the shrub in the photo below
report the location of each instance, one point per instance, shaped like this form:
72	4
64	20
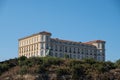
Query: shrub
62	71
52	61
117	63
74	62
41	69
3	67
90	61
77	72
22	60
23	70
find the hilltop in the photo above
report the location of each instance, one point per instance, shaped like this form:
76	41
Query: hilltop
50	68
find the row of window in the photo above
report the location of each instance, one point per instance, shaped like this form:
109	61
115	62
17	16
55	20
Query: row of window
71	56
71	49
33	47
100	45
44	38
30	55
29	48
32	40
57	41
100	58
62	55
29	41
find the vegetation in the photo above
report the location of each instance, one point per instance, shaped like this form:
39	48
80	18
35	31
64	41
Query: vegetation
87	69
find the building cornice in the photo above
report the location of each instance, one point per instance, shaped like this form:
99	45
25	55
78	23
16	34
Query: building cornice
40	33
74	42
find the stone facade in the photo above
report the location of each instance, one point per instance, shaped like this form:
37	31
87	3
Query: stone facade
39	44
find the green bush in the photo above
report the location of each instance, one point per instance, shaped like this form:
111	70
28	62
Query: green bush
41	69
90	61
22	60
117	63
74	62
35	60
23	70
104	66
52	61
3	67
62	71
78	72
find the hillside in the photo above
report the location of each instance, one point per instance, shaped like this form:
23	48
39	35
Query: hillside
50	68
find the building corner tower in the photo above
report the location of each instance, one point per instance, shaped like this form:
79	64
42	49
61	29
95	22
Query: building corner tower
44	42
100	45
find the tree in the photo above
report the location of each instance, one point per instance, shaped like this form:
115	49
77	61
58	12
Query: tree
78	72
117	63
23	70
21	60
90	61
3	67
66	56
62	71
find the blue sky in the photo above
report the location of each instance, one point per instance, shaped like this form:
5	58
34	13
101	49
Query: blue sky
77	20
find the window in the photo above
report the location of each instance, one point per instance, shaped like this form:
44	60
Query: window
51	53
41	45
87	54
56	48
78	50
78	56
60	48
47	38
42	38
98	58
55	54
101	51
51	48
37	46
47	46
70	55
24	49
74	50
65	49
32	47
98	45
37	39
42	53
74	56
103	46
61	55
28	48
82	52
103	54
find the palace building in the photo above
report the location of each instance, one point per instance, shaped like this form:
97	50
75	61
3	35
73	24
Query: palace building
41	44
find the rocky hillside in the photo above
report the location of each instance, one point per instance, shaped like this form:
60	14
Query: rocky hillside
50	68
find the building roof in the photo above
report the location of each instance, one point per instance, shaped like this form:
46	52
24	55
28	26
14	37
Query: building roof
74	42
94	41
42	33
45	32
